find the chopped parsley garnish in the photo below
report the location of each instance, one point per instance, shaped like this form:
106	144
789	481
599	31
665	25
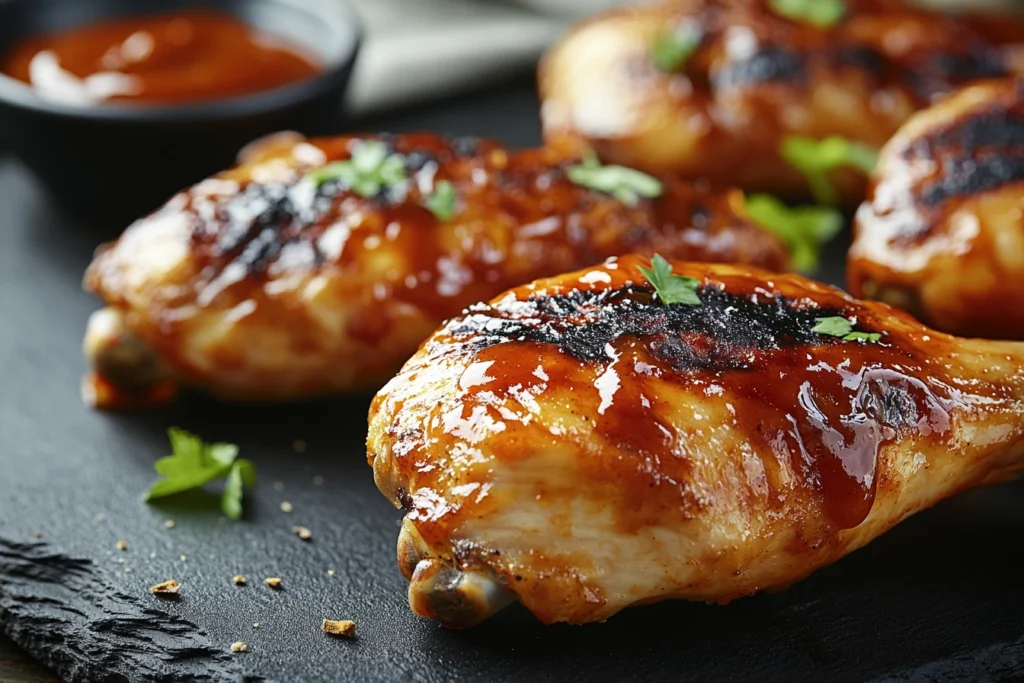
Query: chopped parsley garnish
817	158
625	184
193	463
671	289
442	200
820	13
838	326
672	48
367	172
804	229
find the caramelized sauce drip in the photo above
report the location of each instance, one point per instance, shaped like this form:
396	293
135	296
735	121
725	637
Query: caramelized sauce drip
185	57
823	407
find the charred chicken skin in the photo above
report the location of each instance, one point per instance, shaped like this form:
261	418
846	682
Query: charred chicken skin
741	77
310	269
580	446
942	232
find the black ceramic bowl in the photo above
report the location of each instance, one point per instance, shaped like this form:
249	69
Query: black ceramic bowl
111	161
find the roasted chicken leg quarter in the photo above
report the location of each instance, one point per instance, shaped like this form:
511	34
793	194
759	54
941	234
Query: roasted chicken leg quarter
942	232
715	88
318	266
580	445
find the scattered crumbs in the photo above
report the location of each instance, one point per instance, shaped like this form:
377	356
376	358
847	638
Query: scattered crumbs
299	446
330	572
256	625
152	555
318	480
127	570
100	516
239	580
184	558
302	532
345	627
273	582
170	587
37	534
169	523
286	507
239	646
121	545
279	486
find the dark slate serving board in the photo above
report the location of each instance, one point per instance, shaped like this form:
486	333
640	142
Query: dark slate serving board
939	598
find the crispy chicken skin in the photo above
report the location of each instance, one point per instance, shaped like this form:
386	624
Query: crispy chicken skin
756	78
942	232
259	284
581	447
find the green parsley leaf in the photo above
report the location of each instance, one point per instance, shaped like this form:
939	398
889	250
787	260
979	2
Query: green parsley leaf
194	463
671	289
838	326
804	229
672	48
625	184
442	201
817	158
820	13
367	172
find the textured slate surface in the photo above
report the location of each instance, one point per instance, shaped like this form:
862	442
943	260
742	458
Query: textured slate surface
939	598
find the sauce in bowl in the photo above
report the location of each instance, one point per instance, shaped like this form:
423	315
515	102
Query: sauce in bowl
181	58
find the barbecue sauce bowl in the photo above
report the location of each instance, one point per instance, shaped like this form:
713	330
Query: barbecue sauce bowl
113	156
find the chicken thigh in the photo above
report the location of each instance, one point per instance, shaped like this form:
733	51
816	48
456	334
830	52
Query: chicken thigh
579	445
318	266
942	232
715	89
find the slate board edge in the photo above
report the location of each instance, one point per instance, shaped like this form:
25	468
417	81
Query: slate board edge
116	636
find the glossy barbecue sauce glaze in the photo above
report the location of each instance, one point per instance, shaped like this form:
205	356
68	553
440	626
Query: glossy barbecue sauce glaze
186	57
515	217
815	409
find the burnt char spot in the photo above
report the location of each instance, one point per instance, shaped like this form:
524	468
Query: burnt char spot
718	334
770	64
862	58
938	73
978	153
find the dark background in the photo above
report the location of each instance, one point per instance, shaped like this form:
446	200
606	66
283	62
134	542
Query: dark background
938	598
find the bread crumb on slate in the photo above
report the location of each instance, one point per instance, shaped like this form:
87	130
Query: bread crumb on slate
169	587
37	534
121	545
318	480
299	446
169	523
286	507
239	580
256	625
100	516
330	572
302	532
273	582
239	646
184	558
344	627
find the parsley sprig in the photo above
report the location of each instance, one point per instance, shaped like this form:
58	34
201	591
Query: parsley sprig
820	13
369	170
625	184
817	158
673	47
194	463
838	326
804	229
669	288
442	200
